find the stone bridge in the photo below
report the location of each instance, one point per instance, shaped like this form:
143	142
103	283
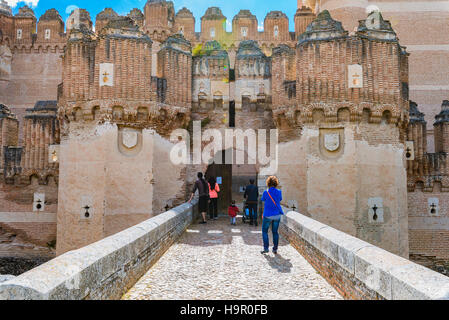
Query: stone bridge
171	257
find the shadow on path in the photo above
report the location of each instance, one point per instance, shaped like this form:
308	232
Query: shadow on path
279	263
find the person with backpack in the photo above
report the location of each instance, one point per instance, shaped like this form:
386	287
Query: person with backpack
252	197
203	189
214	189
273	212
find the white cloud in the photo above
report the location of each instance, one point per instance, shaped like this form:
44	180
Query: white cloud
13	3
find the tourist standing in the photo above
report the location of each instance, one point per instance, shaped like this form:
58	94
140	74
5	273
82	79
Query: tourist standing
272	198
233	210
203	190
214	189
252	197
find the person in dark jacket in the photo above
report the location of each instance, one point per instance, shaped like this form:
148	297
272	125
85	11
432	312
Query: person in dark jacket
252	197
203	189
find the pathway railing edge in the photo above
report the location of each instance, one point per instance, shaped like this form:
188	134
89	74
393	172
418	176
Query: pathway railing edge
106	269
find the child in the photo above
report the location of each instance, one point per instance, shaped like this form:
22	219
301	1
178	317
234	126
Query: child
232	211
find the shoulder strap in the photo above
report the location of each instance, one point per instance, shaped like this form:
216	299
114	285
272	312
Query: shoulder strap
275	204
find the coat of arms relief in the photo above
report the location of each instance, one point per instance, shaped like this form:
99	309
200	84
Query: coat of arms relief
332	141
129	138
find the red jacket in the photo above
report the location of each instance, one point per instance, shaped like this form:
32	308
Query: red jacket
232	211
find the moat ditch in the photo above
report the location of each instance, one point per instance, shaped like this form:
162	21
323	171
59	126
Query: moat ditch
17	265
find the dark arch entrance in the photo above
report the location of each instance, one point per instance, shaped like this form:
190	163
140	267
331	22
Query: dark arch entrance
223	171
233	180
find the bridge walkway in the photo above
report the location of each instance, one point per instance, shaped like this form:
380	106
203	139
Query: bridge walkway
220	261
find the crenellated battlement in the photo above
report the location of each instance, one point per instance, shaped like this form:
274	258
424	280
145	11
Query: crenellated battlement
427	169
342	77
23	30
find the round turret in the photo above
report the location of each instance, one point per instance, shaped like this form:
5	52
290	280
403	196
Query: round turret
103	18
213	13
415	114
77	18
323	28
137	16
5	8
26	11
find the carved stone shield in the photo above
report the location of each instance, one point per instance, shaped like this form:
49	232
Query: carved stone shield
332	141
129	139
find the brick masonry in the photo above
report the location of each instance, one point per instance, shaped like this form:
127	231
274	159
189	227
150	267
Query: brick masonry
286	96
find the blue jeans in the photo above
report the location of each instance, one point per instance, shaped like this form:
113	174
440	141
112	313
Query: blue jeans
274	227
253	211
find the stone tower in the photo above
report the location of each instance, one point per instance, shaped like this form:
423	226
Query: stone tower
276	26
137	16
244	26
105	110
417	130
50	27
9	133
303	17
103	18
159	19
353	110
441	126
185	24
78	17
213	25
429	42
175	65
211	79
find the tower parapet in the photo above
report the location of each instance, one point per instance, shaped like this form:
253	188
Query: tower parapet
41	130
50	27
276	27
213	25
326	52
103	18
244	26
416	132
303	17
175	65
252	75
137	16
185	24
211	77
441	127
25	26
5	8
159	19
284	77
9	137
103	80
77	18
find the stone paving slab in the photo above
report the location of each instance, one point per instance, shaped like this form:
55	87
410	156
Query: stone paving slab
220	261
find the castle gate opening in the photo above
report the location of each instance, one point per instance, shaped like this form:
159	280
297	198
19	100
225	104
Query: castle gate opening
232	178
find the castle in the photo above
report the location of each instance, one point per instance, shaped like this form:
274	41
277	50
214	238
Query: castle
86	118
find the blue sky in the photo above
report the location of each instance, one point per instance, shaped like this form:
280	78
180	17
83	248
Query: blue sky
229	7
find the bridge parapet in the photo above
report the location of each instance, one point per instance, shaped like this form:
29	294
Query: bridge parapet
359	270
105	269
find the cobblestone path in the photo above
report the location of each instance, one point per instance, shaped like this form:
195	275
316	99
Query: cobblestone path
220	261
